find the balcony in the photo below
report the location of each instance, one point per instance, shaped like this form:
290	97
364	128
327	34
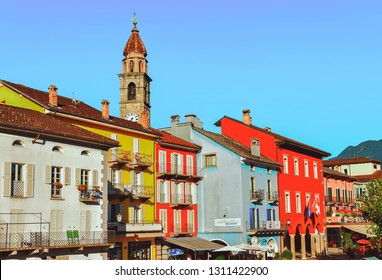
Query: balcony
275	227
141	191
329	200
22	245
120	158
273	197
137	226
182	229
178	172
181	200
90	195
256	196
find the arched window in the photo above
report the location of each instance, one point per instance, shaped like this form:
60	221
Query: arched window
131	91
140	66
18	143
57	149
131	66
85	153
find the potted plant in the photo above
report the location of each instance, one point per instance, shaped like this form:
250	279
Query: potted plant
97	188
57	184
81	187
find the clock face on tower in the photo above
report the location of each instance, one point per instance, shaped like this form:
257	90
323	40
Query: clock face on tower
132	117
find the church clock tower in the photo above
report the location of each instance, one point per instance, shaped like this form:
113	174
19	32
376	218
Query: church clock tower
134	81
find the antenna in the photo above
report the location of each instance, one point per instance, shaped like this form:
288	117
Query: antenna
75	101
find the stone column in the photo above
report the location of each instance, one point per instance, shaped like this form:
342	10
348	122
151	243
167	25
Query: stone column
323	243
303	247
313	245
292	246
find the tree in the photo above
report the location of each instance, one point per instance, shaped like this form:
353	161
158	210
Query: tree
371	207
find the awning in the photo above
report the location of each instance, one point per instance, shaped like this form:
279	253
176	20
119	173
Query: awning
193	243
363	229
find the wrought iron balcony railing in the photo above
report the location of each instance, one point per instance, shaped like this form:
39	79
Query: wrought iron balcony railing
170	170
45	240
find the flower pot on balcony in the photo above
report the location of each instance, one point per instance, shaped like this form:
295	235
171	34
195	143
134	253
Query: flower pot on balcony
81	187
58	184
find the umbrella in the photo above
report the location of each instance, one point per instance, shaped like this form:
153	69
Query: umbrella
229	249
363	242
175	252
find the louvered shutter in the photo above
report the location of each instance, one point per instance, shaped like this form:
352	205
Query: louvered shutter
48	174
7	179
30	180
67	176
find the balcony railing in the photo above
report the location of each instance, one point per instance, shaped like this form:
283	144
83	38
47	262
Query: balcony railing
257	195
265	225
18	188
90	195
119	158
45	240
273	196
141	191
171	170
137	226
183	228
181	199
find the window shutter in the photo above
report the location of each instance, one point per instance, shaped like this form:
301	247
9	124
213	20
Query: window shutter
95	177
78	176
167	191
194	193
7	179
158	190
67	175
30	180
48	174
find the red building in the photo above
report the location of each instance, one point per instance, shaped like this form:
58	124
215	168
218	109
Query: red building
300	182
176	180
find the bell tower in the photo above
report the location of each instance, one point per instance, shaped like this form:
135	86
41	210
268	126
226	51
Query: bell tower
134	81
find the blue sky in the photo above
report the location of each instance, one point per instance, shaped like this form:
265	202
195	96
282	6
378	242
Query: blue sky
310	70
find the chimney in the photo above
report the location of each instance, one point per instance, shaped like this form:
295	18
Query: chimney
53	95
255	147
105	109
247	119
267	128
174	122
194	120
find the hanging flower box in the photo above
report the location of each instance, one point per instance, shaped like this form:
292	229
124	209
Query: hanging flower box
57	184
81	187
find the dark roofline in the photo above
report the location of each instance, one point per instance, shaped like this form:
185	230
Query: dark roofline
331	173
282	141
354	160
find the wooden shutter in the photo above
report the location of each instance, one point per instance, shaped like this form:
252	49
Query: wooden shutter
48	174
95	177
7	179
30	180
67	176
78	176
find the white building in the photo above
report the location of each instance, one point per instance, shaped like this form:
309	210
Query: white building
42	212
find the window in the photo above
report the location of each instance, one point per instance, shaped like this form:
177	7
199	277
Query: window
269	189
85	153
57	149
177	221
330	195
17	188
131	66
209	160
346	171
18	143
269	171
338	195
84	177
271	214
253	186
162	190
307	200
298	202
315	170
56	182
176	163
296	167
162	161
131	95
286	167
190	164
252	168
287	202
163	219
306	168
191	223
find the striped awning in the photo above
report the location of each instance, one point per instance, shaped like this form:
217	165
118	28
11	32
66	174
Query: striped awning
363	229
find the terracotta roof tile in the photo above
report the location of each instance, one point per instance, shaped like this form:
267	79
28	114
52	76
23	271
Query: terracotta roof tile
168	138
377	175
77	108
28	121
341	161
134	43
